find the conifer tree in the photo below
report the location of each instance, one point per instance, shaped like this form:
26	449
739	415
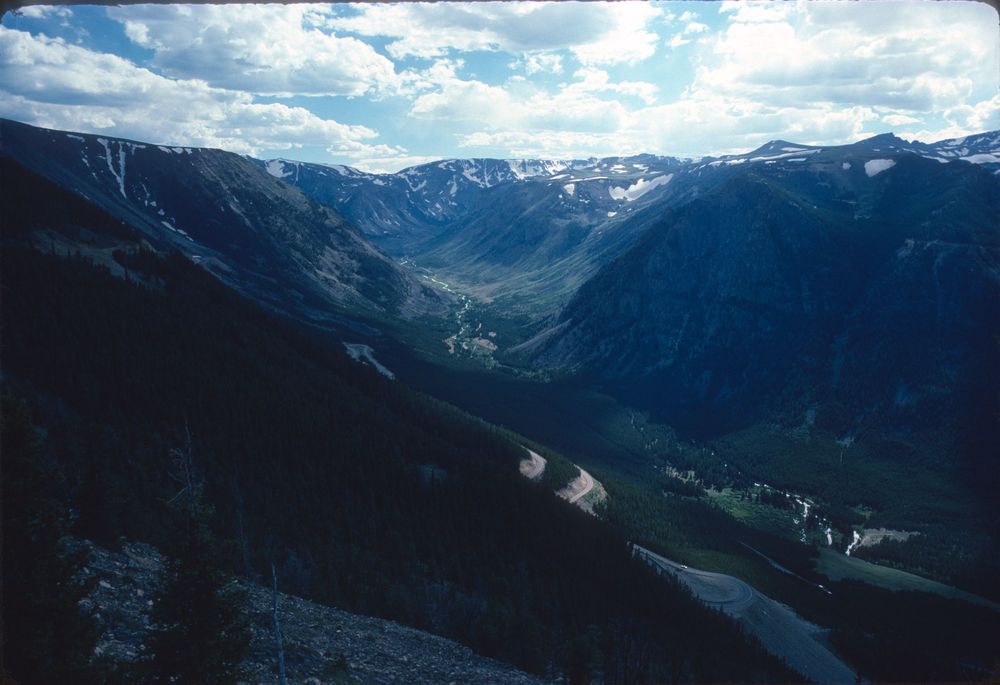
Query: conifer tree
200	634
46	638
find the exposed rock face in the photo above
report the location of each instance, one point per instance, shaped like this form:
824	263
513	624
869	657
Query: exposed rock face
322	645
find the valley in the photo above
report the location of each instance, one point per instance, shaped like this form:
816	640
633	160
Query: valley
461	343
772	373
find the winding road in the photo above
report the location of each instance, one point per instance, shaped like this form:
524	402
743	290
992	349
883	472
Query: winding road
577	488
729	594
532	467
782	632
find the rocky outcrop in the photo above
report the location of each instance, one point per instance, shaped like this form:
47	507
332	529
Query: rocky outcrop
322	644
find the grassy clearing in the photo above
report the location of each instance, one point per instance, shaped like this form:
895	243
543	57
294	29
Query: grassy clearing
836	566
760	516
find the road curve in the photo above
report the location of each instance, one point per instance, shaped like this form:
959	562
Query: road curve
780	630
577	488
532	467
718	590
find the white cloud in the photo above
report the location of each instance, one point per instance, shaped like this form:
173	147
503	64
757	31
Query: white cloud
756	11
47	82
388	164
629	39
865	54
43	11
596	33
899	119
677	41
551	144
591	80
589	103
823	80
980	116
830	73
266	49
543	63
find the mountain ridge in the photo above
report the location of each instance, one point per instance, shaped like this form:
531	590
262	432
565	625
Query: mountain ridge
263	237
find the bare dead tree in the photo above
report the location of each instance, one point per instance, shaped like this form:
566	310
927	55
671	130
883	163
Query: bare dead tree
241	524
182	468
282	678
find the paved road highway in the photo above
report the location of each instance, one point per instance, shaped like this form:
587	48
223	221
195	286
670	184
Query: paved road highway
782	632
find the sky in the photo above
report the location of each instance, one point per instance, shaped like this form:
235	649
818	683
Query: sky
385	86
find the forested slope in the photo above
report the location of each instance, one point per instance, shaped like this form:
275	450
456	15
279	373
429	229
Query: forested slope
367	495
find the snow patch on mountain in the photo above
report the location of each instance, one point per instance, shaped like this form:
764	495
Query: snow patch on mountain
786	155
526	168
983	158
120	173
873	167
276	168
639	188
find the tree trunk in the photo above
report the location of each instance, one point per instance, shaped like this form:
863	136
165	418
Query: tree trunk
282	679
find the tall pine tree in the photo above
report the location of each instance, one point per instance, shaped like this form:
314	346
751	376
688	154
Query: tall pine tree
46	638
200	633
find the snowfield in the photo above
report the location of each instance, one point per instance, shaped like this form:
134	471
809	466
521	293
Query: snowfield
639	188
873	167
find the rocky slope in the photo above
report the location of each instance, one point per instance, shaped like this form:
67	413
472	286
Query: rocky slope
322	645
259	235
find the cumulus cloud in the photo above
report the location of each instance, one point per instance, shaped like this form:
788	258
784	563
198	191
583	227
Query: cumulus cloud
596	33
677	40
43	11
899	119
868	54
266	49
47	82
551	144
542	63
583	78
591	102
831	74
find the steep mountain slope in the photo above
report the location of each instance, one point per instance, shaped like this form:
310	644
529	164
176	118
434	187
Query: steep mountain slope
325	642
403	208
535	230
528	228
261	236
367	495
873	283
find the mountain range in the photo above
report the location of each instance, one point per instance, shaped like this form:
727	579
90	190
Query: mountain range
778	306
791	278
534	230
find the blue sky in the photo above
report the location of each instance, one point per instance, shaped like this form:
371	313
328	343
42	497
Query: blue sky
382	86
